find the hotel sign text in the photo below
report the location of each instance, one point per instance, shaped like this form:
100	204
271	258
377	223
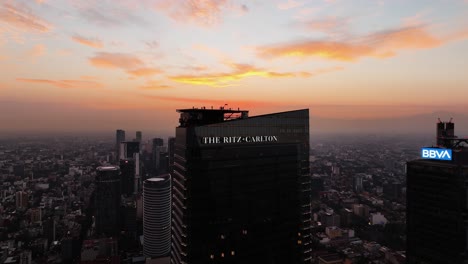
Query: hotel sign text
237	139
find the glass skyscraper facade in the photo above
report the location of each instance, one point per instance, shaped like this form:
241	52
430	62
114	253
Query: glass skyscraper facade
241	188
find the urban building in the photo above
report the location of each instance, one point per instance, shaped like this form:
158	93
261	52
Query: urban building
128	149
119	138
22	200
108	193
127	176
139	136
157	216
170	151
357	183
241	188
436	203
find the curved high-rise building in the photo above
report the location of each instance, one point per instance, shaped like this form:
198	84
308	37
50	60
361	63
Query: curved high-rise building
157	216
107	200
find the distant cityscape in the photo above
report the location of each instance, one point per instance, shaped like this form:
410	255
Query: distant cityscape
202	196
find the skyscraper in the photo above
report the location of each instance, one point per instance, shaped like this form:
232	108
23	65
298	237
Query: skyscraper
157	149
107	201
22	200
241	188
170	151
157	216
127	176
119	137
437	203
139	136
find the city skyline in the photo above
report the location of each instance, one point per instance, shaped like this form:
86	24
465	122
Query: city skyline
75	65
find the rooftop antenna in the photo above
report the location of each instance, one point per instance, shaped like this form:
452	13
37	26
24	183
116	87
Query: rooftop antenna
450	120
440	121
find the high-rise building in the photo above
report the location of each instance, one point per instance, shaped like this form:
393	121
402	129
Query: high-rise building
157	148
127	176
119	138
22	200
170	151
437	203
128	149
357	183
157	216
139	136
241	188
108	192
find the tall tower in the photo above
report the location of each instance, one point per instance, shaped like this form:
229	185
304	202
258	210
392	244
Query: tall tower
170	150
139	136
157	216
241	188
119	137
437	191
156	150
107	201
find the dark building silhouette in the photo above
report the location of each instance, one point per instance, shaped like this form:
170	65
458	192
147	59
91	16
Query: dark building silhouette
128	149
108	192
119	138
241	188
317	186
157	149
157	216
139	136
437	204
170	152
127	176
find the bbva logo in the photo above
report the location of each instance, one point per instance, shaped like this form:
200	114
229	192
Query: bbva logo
435	153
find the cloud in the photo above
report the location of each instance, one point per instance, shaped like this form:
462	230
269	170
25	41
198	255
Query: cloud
238	72
330	24
154	85
116	61
128	62
140	72
289	5
107	13
64	83
94	43
379	45
37	51
21	17
201	12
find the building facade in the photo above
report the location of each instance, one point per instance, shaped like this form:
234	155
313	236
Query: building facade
108	197
157	216
437	204
241	188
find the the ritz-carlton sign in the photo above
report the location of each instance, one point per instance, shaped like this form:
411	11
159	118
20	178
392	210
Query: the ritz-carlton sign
238	139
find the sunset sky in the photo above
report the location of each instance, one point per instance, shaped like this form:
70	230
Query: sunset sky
107	64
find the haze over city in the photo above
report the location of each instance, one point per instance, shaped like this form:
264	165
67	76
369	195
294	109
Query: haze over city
100	65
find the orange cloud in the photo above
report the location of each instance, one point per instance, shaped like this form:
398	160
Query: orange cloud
330	24
201	12
94	43
144	72
116	61
64	83
20	16
381	45
239	71
154	85
37	51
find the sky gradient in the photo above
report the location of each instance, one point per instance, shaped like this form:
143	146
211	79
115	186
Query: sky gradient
101	65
